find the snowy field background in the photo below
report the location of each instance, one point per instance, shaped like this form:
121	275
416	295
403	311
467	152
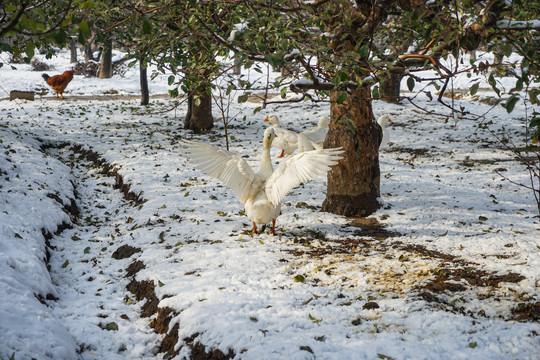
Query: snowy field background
325	287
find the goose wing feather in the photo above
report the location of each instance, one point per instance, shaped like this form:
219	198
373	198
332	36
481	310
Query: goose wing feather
299	168
224	165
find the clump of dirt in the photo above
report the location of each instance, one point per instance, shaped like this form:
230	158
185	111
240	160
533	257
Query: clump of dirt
448	279
199	351
422	250
161	322
145	290
125	251
527	312
169	342
134	268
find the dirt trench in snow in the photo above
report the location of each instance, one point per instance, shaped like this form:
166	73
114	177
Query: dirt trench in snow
108	190
432	277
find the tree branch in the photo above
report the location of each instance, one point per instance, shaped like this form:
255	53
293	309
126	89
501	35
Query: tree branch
15	20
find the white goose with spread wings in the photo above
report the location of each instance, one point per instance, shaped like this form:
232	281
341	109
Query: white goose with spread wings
261	192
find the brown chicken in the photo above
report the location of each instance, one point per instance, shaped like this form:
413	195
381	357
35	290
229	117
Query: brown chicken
59	82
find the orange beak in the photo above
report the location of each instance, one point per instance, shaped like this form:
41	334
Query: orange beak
266	119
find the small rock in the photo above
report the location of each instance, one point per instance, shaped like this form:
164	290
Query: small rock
370	305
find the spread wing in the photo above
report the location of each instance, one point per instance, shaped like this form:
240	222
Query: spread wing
296	169
224	165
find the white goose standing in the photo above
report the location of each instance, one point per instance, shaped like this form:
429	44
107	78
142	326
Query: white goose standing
317	134
287	140
382	121
261	192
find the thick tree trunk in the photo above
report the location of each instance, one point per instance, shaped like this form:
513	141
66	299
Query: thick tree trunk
391	86
145	93
353	184
105	70
73	49
199	117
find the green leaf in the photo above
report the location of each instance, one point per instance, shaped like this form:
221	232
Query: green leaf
375	92
493	84
274	60
474	88
170	79
299	278
509	105
314	319
506	49
60	37
341	97
65	264
147	27
84	28
243	98
111	326
364	50
410	83
87	250
30	47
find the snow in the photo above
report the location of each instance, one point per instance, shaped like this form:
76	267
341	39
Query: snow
439	188
517	24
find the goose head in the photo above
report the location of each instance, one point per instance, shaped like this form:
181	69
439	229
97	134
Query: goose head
324	121
269	135
383	120
272	119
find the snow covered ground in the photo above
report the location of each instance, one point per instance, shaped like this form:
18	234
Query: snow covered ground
449	275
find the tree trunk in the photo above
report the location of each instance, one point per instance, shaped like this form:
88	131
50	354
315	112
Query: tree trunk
73	49
105	70
199	117
390	89
145	93
88	49
237	66
353	184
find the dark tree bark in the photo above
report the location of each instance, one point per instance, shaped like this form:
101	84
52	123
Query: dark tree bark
199	117
105	70
73	49
145	93
88	49
391	86
353	184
